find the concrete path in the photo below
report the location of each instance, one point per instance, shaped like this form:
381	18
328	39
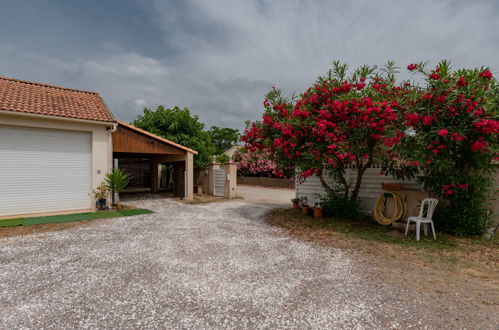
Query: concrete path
213	266
265	195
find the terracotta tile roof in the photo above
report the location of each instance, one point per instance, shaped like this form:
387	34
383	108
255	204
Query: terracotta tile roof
30	97
154	136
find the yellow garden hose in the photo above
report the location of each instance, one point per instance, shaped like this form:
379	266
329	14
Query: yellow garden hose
380	208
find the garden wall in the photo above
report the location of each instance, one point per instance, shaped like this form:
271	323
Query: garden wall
266	182
201	179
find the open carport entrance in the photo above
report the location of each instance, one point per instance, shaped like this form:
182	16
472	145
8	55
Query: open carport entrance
155	163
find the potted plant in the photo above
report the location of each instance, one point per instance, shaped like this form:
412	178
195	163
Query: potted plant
100	196
295	202
318	211
116	181
304	205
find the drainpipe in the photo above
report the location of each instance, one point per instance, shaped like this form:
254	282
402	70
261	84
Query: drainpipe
114	164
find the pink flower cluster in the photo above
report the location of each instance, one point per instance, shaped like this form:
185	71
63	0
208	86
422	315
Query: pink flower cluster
257	164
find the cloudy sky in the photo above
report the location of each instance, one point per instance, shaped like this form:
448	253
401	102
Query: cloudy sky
219	57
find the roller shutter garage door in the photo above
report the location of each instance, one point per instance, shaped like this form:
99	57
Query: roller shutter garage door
44	170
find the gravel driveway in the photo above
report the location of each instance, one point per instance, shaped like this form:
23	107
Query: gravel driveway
196	266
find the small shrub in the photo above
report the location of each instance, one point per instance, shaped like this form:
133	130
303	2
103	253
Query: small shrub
335	205
463	219
116	181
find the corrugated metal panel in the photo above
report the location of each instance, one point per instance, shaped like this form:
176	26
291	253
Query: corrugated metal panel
369	191
44	170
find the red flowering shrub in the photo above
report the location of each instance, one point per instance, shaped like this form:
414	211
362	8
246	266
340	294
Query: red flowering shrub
454	121
340	121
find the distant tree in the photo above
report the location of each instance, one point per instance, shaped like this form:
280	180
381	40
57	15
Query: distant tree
178	125
224	138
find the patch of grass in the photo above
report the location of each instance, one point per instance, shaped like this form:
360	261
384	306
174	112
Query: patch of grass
365	229
11	222
72	217
57	218
131	212
455	266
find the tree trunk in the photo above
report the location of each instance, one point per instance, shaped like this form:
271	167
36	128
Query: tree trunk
360	174
340	177
361	168
323	182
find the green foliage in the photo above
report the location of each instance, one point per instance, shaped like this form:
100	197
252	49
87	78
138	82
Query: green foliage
178	125
117	180
222	159
101	191
335	205
224	138
462	220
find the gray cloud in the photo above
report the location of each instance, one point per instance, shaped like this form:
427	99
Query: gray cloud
220	57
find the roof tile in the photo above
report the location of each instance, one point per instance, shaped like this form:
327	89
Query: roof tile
30	97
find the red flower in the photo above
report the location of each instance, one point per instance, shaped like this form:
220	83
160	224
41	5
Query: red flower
434	76
267	120
412	67
461	82
443	132
478	145
486	74
487	126
427	120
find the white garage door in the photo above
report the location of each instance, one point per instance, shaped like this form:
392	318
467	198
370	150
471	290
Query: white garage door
44	170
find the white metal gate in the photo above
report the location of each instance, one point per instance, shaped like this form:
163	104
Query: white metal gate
218	182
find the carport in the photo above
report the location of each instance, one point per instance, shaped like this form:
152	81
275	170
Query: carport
156	164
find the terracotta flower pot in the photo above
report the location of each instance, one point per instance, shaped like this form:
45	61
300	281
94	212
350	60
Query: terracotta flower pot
304	209
295	202
318	212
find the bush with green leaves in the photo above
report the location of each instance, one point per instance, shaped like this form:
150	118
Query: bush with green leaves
335	205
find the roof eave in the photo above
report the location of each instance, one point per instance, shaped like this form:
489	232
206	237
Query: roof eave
159	138
37	115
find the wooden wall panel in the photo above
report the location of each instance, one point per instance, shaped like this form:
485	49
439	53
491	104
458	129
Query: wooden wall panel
126	140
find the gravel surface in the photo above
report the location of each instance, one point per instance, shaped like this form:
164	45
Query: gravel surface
266	195
197	266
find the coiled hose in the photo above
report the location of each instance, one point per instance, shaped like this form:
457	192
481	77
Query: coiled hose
380	208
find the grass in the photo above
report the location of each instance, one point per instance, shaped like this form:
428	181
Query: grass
72	217
369	230
461	266
370	238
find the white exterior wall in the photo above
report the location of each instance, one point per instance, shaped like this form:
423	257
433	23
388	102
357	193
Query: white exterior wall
101	139
369	191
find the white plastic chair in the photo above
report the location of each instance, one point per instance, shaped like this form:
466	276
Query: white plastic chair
424	219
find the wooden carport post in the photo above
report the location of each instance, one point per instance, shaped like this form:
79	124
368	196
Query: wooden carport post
189	176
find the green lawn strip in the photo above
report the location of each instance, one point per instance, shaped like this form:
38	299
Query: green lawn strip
57	218
131	212
11	222
72	217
